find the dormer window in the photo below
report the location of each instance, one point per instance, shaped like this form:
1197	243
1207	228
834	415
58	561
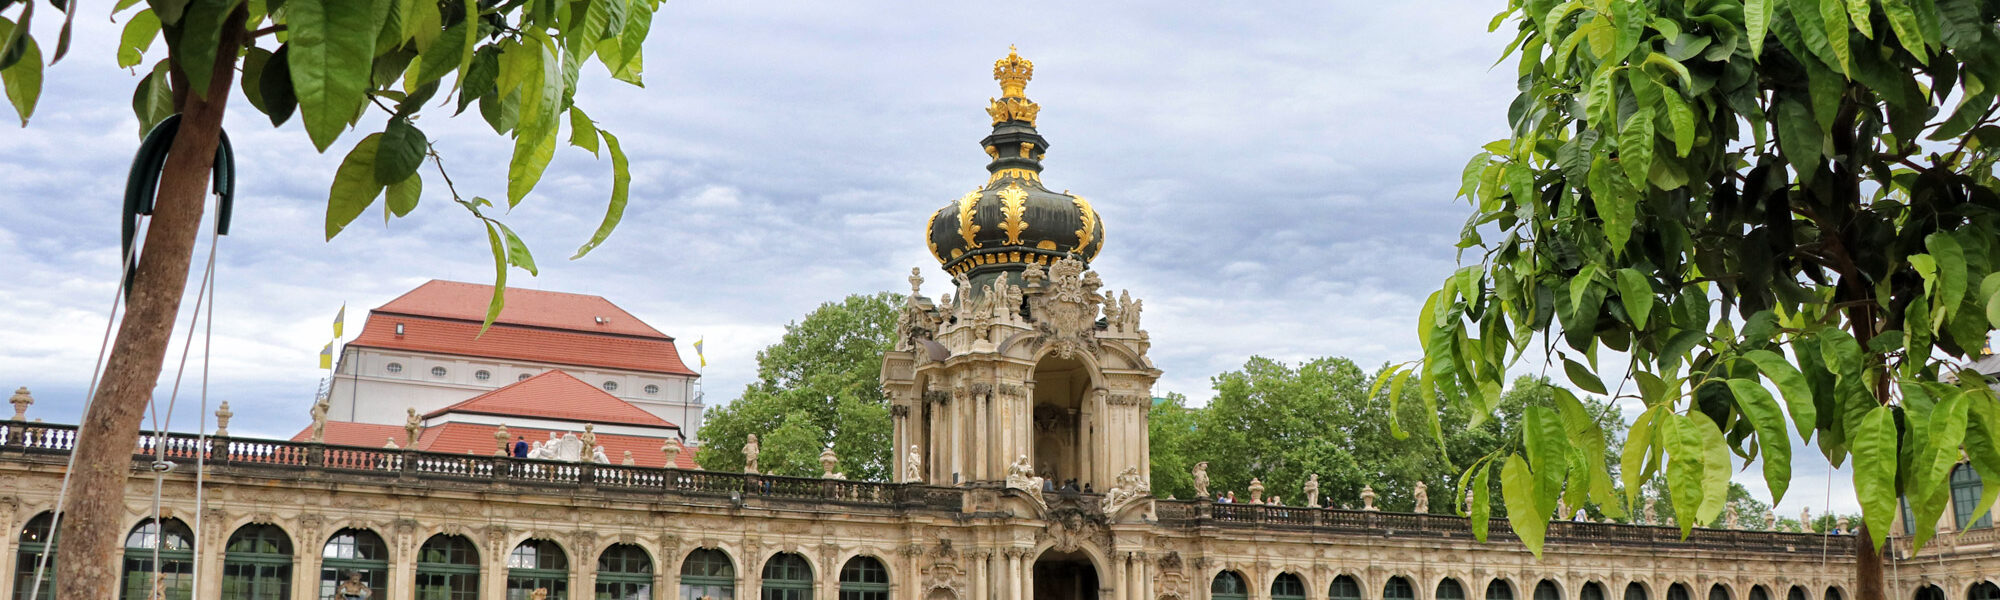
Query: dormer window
399	329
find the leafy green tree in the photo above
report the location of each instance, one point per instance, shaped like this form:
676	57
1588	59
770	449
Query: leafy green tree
329	62
1173	430
818	387
1738	196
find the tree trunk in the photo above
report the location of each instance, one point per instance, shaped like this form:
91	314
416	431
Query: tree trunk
1867	567
93	520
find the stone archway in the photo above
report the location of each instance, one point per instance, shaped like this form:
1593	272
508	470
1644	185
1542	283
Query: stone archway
1065	576
1062	439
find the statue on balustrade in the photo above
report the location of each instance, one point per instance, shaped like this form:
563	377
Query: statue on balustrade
1130	487
1368	497
1423	495
412	424
1021	476
319	411
1312	490
750	450
1201	479
1256	491
913	470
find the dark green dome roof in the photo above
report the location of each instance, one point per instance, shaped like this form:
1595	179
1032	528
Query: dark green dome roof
1012	220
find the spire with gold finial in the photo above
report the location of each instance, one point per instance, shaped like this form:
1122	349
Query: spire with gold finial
1013	104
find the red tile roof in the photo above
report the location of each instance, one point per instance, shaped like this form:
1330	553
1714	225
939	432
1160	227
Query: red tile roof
367	435
555	395
526	307
504	342
458	438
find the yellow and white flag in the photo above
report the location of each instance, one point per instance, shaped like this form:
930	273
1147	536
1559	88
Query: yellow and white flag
697	353
338	319
326	356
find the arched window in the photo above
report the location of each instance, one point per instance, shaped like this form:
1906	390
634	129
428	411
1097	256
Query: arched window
1344	587
1288	587
708	574
1984	590
1930	592
787	577
1399	588
1499	590
1757	592
1721	592
1547	590
1796	593
1591	591
1678	591
37	538
624	572
1965	487
175	546
1449	589
257	564
537	564
1635	591
864	578
447	569
1832	593
1229	585
357	555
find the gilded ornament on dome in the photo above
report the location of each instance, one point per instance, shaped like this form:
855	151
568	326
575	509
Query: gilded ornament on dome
1027	149
1013	73
1088	218
1013	204
1046	244
992	151
930	227
967	207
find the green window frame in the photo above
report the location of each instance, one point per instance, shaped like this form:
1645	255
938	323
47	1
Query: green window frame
1591	591
37	538
537	564
354	551
1344	587
1499	589
447	569
1288	587
1547	590
708	573
1757	592
1399	588
257	564
1450	589
175	547
1796	593
787	576
864	578
1965	488
1719	592
1635	591
1229	585
1678	591
1984	590
624	572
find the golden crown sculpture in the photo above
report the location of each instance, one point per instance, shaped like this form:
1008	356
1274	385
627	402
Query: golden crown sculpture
1013	74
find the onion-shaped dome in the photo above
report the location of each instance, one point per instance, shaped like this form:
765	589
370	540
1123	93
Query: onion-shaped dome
1012	220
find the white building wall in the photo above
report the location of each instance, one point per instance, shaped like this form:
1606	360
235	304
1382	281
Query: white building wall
377	386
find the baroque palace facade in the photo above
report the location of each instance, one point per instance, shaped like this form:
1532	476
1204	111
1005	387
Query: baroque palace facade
1029	373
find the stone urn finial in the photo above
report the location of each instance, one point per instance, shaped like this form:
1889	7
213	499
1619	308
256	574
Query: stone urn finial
500	440
22	400
673	452
1368	497
222	415
827	461
1256	491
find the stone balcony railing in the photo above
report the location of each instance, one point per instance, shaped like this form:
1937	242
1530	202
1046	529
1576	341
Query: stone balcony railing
50	444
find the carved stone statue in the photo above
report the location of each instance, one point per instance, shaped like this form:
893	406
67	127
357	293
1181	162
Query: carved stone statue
1132	310
1770	520
539	594
1468	498
1312	490
1368	497
1130	487
750	450
1112	318
827	462
21	401
319	411
597	455
500	439
1562	509
1033	275
913	466
569	448
412	425
1651	517
1423	494
1805	519
673	452
628	459
1729	518
589	438
353	588
1841	524
535	449
1021	476
222	415
916	282
1256	491
1201	479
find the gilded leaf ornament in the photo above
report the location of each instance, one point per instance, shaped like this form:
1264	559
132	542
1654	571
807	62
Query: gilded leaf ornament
1013	204
930	227
1088	218
968	206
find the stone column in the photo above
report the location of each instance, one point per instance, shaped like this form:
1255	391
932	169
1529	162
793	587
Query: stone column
1015	578
977	579
402	565
934	453
983	447
305	568
1120	580
493	578
10	528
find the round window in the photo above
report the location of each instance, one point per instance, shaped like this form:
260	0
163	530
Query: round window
523	377
611	386
395	367
437	371
652	389
482	375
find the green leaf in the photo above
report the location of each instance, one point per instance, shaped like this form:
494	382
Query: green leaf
332	47
153	98
1481	511
1857	12
403	195
23	80
582	131
199	39
499	274
1635	146
1874	445
451	49
1714	467
1682	119
137	37
402	150
275	85
1982	446
1769	422
1637	295
1518	488
1757	22
517	251
1840	352
623	189
1587	437
532	152
354	185
1833	16
1951	274
1672	66
1798	393
254	61
1395	402
1582	377
1469	177
630	62
1614	201
1633	467
1909	31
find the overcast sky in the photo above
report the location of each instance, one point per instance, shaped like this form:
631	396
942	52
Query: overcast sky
1275	179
